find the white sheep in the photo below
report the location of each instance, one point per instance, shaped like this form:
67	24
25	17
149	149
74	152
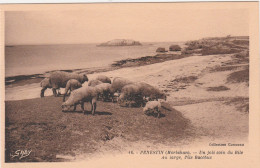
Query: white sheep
71	85
152	107
119	83
104	90
103	79
94	82
80	96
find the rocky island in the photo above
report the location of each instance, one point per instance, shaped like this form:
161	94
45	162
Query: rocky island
120	42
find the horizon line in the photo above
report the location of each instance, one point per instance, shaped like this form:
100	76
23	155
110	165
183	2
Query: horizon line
6	45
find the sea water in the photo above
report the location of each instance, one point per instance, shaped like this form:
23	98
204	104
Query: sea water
37	59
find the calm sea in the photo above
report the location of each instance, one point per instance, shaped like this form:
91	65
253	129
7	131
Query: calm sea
35	59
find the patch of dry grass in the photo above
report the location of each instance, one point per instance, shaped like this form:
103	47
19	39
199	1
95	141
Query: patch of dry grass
239	76
41	126
188	79
241	103
224	68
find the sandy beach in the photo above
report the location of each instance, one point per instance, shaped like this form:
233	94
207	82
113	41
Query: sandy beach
207	100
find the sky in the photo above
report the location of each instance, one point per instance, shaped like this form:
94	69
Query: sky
101	23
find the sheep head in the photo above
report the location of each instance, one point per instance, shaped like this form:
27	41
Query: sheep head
65	107
85	78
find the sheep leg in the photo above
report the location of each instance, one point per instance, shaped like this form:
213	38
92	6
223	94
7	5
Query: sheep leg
105	96
42	92
112	97
75	106
158	115
82	107
54	92
65	94
69	91
158	112
93	106
58	92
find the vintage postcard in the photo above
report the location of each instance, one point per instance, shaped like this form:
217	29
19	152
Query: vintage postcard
130	85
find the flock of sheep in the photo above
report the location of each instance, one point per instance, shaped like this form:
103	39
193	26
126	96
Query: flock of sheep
124	90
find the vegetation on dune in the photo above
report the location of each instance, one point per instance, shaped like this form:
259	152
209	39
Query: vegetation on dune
217	45
218	88
241	104
239	76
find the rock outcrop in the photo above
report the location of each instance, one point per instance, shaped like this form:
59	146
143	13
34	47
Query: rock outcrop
121	42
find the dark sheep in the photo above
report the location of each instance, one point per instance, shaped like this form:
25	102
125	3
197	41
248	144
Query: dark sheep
151	92
59	79
45	84
130	93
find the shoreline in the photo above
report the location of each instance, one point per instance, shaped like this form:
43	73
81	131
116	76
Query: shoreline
21	80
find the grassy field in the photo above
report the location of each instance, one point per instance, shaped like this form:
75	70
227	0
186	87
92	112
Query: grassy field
41	126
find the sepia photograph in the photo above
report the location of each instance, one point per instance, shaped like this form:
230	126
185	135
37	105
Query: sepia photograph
137	79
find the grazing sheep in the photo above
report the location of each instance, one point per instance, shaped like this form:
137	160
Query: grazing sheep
94	82
152	107
59	79
71	85
103	79
119	83
80	96
45	84
130	92
104	90
151	92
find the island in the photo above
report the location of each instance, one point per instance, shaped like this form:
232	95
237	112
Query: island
120	42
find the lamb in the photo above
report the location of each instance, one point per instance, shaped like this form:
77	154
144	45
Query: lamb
103	79
80	96
71	85
104	90
94	82
119	83
45	84
59	79
152	107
